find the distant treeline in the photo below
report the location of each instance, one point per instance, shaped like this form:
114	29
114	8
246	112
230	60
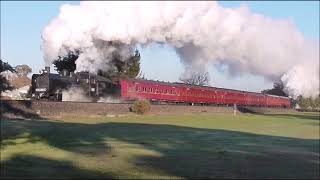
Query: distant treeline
309	104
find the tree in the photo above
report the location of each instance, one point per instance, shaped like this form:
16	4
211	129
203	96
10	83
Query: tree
276	90
306	103
196	78
4	83
317	102
4	66
123	68
23	70
141	75
67	62
134	65
120	68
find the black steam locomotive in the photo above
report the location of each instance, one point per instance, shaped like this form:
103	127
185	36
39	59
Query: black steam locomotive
49	86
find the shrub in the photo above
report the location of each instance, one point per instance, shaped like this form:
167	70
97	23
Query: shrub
141	106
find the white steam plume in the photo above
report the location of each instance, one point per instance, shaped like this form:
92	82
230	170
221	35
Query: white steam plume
75	94
109	99
202	33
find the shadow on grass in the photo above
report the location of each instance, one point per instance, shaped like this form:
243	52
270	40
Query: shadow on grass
16	113
315	116
243	109
12	112
186	152
33	167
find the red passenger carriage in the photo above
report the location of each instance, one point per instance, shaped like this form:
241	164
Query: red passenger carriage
133	89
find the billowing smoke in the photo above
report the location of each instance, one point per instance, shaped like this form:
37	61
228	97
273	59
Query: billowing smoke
202	33
98	56
75	94
109	99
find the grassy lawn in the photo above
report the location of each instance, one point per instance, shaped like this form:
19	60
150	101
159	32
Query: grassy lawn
172	146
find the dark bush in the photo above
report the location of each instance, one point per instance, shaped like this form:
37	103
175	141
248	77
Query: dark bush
141	106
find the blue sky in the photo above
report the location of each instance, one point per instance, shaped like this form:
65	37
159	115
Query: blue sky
22	23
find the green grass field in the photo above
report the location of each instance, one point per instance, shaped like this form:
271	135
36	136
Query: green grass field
166	146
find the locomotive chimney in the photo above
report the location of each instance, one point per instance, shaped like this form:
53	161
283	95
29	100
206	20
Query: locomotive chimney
47	69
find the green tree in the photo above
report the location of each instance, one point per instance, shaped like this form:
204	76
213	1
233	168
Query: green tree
4	83
4	66
67	62
317	102
309	102
123	68
134	65
276	90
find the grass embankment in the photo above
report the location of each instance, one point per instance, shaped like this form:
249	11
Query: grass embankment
190	146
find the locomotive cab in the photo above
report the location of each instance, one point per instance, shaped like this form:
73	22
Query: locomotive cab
96	86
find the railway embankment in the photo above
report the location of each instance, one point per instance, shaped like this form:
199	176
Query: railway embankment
27	108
